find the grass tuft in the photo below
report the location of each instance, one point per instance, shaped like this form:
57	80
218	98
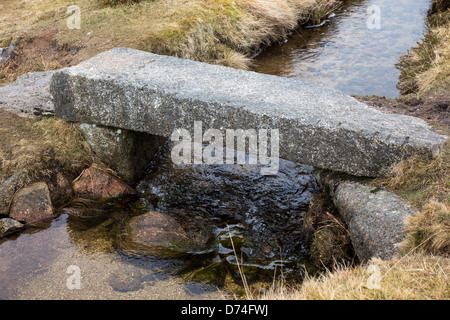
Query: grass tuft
425	184
427	66
421	180
429	231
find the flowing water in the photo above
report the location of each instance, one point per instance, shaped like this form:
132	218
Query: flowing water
243	217
246	219
356	48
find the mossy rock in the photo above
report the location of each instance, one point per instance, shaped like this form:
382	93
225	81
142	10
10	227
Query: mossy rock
5	43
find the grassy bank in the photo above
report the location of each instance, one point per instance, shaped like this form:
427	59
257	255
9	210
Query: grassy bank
39	145
50	150
421	269
224	32
426	67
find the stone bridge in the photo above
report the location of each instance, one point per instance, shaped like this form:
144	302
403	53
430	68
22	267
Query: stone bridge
151	96
319	126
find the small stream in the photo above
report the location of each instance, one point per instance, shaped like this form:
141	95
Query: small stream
243	217
247	218
345	53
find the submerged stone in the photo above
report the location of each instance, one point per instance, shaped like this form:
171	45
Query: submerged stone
125	281
84	213
155	233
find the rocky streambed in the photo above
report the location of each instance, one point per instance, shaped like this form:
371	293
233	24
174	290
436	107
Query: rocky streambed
226	206
195	223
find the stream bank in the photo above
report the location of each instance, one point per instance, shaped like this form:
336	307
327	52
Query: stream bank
224	32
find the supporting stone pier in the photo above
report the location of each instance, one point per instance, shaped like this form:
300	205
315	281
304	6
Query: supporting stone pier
375	218
125	151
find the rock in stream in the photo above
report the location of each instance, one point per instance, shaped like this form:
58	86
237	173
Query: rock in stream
268	209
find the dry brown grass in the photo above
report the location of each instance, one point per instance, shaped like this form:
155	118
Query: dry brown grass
439	5
116	2
223	32
420	180
34	52
326	234
429	231
40	146
19	65
427	66
408	278
439	71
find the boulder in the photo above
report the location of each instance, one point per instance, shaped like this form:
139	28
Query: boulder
9	187
375	218
97	182
8	226
32	205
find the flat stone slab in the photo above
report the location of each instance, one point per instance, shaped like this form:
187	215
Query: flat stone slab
29	95
318	125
